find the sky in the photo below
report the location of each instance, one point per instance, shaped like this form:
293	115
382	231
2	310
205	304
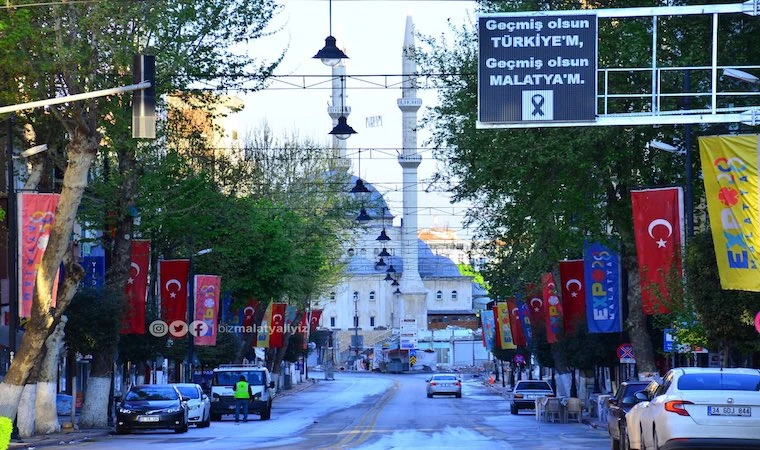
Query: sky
371	33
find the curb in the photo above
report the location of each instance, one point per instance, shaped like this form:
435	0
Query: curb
75	437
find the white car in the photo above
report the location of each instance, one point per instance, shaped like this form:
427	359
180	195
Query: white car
697	407
198	405
630	435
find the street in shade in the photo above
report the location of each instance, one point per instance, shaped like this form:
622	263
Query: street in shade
376	411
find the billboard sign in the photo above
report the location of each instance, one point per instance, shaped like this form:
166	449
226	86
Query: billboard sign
535	67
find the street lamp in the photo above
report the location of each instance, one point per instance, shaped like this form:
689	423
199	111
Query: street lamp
356	325
330	54
689	207
191	315
741	75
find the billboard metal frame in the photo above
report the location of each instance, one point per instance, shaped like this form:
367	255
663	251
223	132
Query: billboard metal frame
657	115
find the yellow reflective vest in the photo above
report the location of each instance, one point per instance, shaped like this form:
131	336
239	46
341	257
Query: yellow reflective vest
242	390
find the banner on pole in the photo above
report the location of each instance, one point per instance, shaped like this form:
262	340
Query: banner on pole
573	295
207	294
602	275
730	171
136	289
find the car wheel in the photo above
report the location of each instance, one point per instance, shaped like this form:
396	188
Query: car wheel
459	395
430	395
182	429
267	412
514	409
121	430
205	423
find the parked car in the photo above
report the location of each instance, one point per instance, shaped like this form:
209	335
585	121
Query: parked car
198	405
444	383
619	405
525	393
630	435
698	407
152	406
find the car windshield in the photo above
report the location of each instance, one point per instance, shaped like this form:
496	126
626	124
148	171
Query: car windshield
534	385
151	393
719	381
189	391
254	377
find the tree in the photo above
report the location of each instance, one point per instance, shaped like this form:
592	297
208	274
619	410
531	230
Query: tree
567	185
70	48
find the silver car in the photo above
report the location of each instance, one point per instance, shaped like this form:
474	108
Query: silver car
444	383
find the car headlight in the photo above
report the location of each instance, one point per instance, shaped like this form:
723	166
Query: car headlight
173	410
125	411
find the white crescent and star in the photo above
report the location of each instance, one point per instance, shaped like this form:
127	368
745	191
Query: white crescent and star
540	303
655	223
515	312
275	318
248	310
170	283
570	282
131	279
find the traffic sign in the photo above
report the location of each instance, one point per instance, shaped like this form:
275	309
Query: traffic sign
625	354
537	67
519	359
667	339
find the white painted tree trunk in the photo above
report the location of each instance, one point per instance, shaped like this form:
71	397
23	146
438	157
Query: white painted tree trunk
9	397
25	416
95	409
46	414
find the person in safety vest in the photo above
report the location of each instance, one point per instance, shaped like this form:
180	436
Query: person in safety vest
242	398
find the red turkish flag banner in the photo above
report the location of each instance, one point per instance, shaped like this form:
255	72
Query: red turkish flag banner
518	336
276	337
536	303
573	295
658	230
136	289
248	315
552	308
206	320
316	315
175	276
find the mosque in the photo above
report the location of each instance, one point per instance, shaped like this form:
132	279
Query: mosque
399	304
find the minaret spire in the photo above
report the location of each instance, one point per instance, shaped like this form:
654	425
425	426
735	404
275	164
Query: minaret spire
412	288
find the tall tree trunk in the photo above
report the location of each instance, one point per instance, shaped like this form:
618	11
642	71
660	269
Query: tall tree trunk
637	323
81	152
46	415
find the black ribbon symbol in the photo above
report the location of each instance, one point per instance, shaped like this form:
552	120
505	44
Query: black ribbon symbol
538	101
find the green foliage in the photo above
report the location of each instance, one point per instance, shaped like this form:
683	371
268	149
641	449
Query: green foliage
295	349
477	277
222	353
6	428
94	319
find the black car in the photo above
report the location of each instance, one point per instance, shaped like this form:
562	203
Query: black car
152	406
619	405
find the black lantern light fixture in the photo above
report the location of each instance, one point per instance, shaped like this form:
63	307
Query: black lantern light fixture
388	277
384	253
363	216
391	269
330	54
395	282
380	263
342	130
383	235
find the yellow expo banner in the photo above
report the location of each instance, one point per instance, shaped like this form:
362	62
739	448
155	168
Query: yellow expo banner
730	170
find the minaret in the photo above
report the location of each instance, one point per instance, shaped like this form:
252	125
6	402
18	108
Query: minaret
412	289
338	102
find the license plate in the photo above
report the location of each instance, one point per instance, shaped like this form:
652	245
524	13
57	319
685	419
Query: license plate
741	411
445	384
147	418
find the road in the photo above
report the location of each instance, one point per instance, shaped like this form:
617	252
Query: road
376	412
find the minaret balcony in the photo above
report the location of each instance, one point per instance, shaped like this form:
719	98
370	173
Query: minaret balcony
409	104
410	161
335	111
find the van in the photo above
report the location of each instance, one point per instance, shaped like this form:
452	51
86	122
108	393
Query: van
223	390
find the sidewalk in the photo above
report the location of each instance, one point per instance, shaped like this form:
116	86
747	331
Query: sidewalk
66	437
593	422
